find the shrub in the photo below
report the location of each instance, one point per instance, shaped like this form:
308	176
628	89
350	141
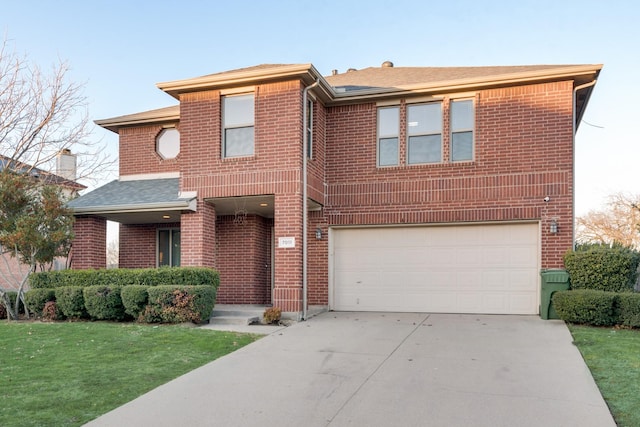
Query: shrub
3	311
50	311
272	315
629	309
12	297
602	267
103	302
194	276
134	298
37	298
70	301
177	304
586	306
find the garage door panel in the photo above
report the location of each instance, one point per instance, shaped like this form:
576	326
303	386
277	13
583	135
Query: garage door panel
463	269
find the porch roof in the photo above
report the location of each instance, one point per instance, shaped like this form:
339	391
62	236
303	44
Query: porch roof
136	201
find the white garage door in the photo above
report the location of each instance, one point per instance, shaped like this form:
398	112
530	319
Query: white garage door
442	269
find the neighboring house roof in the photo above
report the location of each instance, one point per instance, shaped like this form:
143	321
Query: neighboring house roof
48	177
372	84
125	198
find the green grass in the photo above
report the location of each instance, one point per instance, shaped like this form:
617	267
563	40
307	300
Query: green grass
66	374
613	356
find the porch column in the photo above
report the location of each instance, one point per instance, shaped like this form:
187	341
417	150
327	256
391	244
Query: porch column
89	248
197	236
287	292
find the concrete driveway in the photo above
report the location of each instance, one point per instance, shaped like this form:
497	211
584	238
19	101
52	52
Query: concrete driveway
386	369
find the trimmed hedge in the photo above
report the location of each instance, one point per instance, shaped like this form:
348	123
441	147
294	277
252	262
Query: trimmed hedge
37	298
104	302
134	299
178	304
629	309
601	267
70	301
586	306
193	276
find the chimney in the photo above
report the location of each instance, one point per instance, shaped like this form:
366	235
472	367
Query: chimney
334	72
66	164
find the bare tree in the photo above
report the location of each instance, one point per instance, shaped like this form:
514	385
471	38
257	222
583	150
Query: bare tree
42	114
618	222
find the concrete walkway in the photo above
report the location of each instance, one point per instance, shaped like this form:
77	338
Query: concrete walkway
386	369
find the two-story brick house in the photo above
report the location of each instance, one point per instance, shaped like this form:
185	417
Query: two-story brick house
387	188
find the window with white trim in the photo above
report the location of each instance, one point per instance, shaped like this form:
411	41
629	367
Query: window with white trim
388	136
238	125
461	112
168	143
424	133
169	247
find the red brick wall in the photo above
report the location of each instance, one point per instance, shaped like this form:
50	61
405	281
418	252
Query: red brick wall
138	245
197	236
90	243
523	153
275	168
318	260
244	260
138	152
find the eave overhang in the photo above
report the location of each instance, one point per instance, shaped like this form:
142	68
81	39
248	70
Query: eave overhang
306	73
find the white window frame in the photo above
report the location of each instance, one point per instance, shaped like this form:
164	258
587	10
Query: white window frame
381	136
462	130
160	136
239	125
410	134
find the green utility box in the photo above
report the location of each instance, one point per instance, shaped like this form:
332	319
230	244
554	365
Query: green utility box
552	281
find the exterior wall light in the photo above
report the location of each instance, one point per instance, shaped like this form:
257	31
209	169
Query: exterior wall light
318	233
553	227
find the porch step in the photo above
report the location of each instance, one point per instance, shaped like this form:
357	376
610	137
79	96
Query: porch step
235	314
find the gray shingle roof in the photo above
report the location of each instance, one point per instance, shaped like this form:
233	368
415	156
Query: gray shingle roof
123	195
385	77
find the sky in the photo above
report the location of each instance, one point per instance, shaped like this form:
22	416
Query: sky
120	49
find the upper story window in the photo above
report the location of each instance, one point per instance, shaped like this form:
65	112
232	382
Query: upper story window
238	125
388	134
168	143
461	130
309	129
424	133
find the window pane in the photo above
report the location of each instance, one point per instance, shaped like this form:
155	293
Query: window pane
238	142
388	152
461	146
175	248
163	248
425	118
462	115
388	122
425	149
168	143
238	110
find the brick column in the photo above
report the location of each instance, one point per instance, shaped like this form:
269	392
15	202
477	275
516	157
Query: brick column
287	293
90	243
197	236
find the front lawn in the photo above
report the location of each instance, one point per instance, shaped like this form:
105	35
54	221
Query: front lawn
613	356
66	374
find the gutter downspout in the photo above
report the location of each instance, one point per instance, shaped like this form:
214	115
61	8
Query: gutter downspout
305	211
575	130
